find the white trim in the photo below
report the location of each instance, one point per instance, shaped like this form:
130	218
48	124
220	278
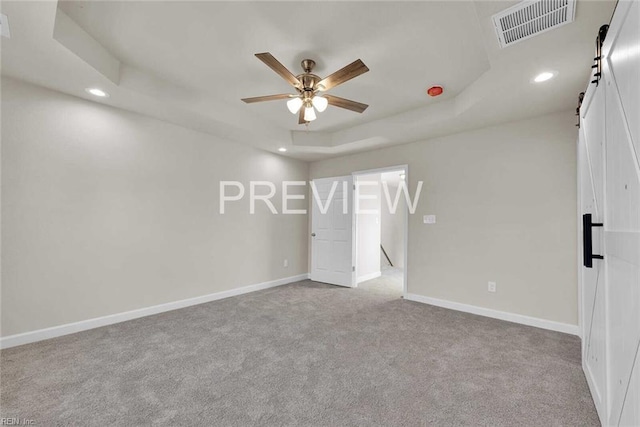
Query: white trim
594	391
382	170
71	328
369	276
495	314
581	326
405	275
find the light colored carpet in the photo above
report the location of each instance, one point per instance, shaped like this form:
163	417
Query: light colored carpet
390	282
305	354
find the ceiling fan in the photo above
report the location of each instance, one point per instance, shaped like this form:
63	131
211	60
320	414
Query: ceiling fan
308	85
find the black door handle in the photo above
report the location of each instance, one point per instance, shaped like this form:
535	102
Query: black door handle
587	242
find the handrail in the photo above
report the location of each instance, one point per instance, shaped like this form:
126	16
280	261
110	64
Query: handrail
386	256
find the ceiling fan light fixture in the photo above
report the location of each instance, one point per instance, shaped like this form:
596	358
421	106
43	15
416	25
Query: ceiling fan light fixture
294	105
309	114
306	102
320	102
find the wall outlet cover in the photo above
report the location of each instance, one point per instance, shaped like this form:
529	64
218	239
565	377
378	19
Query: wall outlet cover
492	287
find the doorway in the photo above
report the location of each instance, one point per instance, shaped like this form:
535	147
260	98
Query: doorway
381	230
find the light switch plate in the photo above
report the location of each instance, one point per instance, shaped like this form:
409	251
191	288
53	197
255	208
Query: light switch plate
4	26
429	219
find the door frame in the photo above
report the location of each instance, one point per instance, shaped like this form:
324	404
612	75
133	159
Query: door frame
405	238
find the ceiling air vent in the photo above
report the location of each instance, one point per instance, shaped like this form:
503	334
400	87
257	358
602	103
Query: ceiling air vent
530	18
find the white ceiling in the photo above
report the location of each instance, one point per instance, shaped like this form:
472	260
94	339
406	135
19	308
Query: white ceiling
191	62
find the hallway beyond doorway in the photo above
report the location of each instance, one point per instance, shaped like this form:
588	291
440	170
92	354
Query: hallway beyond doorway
390	282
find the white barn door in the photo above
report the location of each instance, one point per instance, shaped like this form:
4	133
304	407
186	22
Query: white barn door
332	231
609	163
621	71
591	152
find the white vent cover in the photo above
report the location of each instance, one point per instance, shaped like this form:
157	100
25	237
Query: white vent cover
530	18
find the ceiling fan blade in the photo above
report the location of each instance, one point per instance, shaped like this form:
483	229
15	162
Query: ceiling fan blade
276	66
336	101
352	70
301	120
267	98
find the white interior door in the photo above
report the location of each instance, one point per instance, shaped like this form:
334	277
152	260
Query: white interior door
332	231
621	74
591	163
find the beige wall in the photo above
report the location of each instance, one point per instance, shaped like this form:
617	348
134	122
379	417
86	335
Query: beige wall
105	211
505	200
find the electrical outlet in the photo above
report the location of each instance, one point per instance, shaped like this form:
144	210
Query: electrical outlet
491	287
286	263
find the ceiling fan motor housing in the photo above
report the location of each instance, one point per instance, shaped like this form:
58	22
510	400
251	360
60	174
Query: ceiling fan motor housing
309	82
307	79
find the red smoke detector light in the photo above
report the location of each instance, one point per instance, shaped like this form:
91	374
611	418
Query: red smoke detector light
435	91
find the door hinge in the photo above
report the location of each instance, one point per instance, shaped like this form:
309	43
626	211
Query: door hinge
353	268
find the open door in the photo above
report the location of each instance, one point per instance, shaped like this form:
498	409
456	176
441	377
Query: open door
609	164
591	165
332	231
621	189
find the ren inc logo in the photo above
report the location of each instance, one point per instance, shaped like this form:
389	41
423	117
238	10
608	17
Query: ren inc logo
265	191
14	421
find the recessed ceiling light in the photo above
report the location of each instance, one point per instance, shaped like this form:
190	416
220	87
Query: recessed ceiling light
543	77
282	149
97	92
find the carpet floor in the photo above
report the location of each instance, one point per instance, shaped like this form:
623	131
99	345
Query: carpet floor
304	354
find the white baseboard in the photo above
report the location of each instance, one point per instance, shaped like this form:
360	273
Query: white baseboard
502	315
369	276
71	328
